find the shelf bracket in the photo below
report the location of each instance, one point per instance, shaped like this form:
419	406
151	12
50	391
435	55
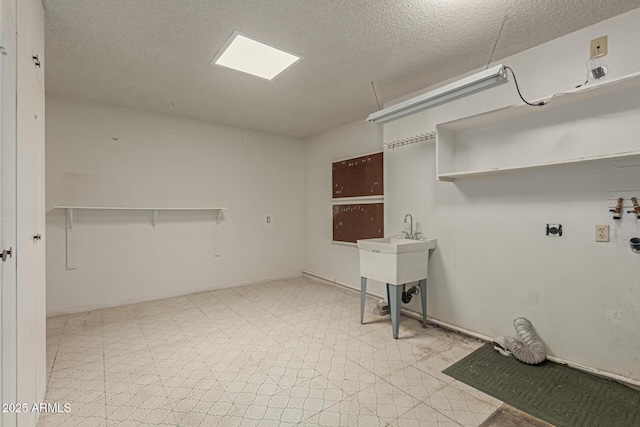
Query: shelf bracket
70	253
217	216
69	219
154	217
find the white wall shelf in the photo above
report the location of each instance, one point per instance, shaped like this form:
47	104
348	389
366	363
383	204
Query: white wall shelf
596	123
154	210
71	260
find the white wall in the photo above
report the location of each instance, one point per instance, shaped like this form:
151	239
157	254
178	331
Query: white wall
160	160
493	262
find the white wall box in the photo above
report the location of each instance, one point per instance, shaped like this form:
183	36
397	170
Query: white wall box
598	122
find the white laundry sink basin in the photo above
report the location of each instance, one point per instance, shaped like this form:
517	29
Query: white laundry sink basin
395	260
396	245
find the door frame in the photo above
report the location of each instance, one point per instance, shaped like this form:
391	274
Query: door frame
8	225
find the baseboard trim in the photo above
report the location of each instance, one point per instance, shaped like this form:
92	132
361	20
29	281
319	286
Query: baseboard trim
148	298
609	375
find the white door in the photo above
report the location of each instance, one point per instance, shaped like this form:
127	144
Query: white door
8	208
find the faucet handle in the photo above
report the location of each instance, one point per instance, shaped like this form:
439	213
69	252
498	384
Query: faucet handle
416	235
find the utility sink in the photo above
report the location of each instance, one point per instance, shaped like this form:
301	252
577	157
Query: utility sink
395	260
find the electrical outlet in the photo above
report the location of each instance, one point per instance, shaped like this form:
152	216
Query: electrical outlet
602	233
269	220
598	47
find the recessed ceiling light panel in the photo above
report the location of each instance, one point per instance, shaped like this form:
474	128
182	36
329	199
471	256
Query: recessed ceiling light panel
250	56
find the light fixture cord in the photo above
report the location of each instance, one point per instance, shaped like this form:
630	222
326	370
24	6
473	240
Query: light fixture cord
515	80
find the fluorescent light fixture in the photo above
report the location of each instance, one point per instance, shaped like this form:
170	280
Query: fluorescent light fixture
250	56
464	87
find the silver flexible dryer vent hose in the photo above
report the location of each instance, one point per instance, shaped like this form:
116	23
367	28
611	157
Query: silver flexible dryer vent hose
530	350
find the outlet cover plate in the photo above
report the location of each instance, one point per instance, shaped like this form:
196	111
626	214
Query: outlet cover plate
598	47
602	233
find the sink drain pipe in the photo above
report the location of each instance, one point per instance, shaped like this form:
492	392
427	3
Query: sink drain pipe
530	350
407	295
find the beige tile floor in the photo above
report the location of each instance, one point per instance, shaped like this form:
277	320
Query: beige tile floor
281	353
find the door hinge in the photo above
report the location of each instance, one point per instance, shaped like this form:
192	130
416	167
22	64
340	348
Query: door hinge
3	50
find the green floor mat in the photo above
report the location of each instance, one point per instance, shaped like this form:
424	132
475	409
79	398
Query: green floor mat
554	393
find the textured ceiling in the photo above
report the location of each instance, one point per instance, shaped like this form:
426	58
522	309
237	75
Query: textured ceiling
154	54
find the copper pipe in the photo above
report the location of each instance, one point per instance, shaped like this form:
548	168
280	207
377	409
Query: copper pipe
636	207
617	211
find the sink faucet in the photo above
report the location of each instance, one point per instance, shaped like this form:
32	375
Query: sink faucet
410	234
